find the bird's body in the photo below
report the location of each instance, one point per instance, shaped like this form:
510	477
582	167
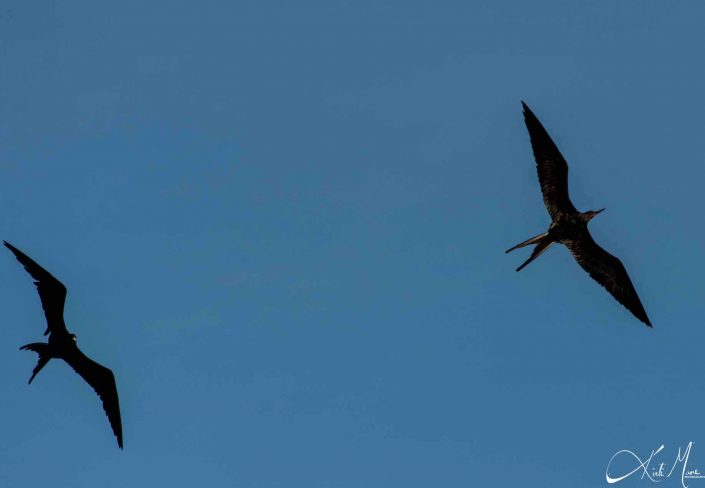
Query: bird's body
63	345
570	227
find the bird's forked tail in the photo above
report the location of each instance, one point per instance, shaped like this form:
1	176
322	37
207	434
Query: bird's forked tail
533	240
542	242
42	349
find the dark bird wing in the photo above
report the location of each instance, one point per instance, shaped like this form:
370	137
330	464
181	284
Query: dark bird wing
551	167
103	382
609	272
51	291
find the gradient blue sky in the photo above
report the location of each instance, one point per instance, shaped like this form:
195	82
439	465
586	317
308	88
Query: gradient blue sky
283	224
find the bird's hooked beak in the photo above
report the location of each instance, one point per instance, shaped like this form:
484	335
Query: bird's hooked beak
596	212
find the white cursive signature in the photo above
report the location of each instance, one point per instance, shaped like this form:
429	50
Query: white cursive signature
655	473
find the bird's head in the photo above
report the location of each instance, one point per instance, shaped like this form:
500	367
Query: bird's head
590	214
73	337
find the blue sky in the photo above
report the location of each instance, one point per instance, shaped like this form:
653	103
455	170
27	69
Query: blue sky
282	225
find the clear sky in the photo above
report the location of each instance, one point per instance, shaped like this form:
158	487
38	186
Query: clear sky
282	225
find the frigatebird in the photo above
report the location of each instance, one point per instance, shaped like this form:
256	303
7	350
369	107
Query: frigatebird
63	345
570	227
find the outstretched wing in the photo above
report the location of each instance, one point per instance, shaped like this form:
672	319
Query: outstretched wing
51	291
551	167
609	272
103	382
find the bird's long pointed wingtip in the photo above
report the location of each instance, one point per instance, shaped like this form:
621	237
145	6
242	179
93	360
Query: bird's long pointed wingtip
11	247
527	110
644	318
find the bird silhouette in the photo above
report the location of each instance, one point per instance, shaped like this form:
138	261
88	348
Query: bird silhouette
570	227
63	345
